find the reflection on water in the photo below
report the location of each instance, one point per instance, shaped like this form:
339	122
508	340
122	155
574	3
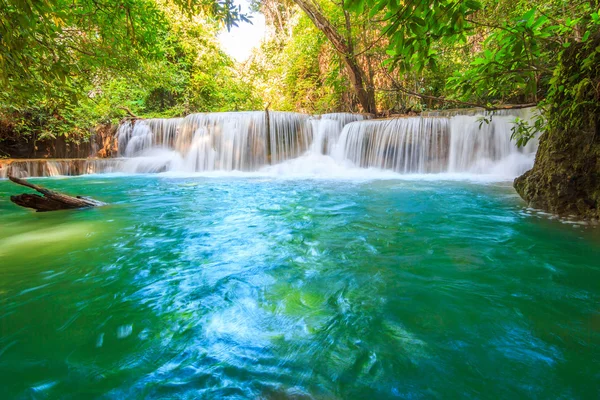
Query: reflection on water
263	288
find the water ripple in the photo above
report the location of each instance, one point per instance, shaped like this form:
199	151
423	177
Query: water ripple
265	288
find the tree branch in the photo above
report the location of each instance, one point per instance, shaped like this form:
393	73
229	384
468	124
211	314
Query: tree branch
487	107
128	111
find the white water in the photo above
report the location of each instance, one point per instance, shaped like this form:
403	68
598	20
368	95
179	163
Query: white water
329	146
57	167
405	145
232	141
486	147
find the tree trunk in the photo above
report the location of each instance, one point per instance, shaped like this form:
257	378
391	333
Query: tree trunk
366	97
51	201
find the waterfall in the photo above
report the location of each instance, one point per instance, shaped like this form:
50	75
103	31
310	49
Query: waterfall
452	143
405	145
325	135
345	118
134	137
481	147
215	141
327	129
436	143
455	142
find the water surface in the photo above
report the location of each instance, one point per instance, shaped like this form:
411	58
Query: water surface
269	288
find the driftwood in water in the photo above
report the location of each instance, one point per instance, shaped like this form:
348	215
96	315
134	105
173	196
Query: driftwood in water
51	200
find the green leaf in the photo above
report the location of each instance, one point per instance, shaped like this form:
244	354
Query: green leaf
380	5
528	16
473	5
586	36
539	21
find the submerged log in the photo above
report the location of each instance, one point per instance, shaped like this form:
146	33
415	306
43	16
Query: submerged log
51	200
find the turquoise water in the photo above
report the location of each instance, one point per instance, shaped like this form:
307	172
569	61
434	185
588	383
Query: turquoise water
276	289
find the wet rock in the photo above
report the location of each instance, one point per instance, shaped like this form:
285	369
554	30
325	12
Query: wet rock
565	178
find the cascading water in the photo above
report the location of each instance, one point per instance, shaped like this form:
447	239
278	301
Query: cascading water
486	147
330	144
439	143
326	133
345	118
406	145
327	130
57	167
215	141
433	144
136	136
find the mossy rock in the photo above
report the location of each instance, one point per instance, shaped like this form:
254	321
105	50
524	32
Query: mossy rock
565	179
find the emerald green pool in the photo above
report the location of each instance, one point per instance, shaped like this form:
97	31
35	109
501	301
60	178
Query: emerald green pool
272	288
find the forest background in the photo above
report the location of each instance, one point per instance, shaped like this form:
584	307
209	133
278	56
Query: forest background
67	66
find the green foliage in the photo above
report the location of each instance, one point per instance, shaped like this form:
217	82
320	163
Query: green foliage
523	131
297	70
69	65
413	27
47	42
574	87
519	55
512	62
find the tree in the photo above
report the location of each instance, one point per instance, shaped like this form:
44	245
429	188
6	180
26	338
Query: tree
44	43
67	65
411	29
344	46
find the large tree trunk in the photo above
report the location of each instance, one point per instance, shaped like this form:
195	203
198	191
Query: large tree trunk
51	201
366	96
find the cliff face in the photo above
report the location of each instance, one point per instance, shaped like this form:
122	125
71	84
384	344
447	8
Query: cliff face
105	139
565	178
102	143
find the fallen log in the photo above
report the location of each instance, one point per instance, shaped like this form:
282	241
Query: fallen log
51	200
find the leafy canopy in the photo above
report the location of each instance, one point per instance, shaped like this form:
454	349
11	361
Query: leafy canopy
44	43
66	65
414	26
